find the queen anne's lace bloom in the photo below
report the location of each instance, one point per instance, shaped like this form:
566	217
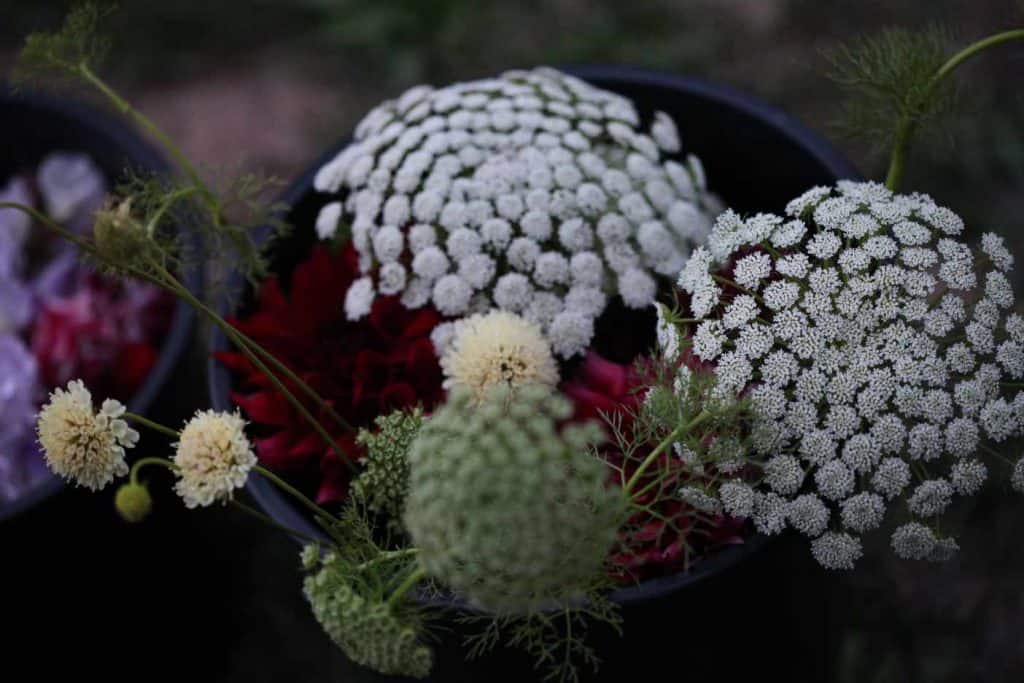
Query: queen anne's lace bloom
875	349
213	458
533	192
81	445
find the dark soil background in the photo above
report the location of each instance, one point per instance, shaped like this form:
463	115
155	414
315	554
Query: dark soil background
208	596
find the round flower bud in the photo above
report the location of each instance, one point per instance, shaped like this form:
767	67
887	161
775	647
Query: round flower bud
80	445
213	458
121	240
476	467
133	502
497	349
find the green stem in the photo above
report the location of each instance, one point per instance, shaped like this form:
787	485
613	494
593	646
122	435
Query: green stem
155	426
232	335
908	123
147	124
292	491
66	234
410	582
273	523
671	439
243	342
387	556
133	476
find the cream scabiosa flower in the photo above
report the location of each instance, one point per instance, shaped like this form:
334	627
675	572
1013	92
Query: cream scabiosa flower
877	350
213	458
533	192
82	445
497	348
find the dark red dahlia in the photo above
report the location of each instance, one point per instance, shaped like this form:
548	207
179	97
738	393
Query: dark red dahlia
363	369
671	538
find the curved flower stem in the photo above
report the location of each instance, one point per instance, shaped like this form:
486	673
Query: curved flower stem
408	584
147	124
242	341
133	476
387	556
908	124
292	491
77	240
155	426
180	290
271	522
669	440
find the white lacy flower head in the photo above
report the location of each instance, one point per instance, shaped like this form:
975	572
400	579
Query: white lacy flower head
877	350
497	348
82	445
213	458
533	192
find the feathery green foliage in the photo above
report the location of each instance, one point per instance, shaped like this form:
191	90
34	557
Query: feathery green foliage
888	79
60	55
556	639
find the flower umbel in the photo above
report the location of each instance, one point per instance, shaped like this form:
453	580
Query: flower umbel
384	480
873	343
497	349
533	192
82	445
213	458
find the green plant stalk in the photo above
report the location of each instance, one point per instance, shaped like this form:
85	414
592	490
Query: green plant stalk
908	124
269	521
407	585
133	476
292	491
387	556
155	426
243	341
147	124
230	332
193	174
660	448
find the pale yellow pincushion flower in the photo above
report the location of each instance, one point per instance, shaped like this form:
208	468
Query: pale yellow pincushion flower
213	458
498	348
81	445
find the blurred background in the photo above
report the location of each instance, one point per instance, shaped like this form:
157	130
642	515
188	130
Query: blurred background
270	84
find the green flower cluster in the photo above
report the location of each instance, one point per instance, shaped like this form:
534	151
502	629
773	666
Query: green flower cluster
506	506
384	481
371	632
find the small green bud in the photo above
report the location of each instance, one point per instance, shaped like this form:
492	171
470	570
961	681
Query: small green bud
133	502
121	240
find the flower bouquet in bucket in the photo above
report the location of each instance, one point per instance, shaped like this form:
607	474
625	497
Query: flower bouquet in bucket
533	359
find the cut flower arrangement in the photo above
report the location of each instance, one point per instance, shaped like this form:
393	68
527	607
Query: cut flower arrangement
437	385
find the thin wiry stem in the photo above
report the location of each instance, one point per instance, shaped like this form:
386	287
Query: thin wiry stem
909	122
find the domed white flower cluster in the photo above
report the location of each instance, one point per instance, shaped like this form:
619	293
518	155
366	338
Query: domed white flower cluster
534	192
876	348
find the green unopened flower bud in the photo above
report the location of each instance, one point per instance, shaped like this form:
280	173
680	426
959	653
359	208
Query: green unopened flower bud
133	502
121	239
507	505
